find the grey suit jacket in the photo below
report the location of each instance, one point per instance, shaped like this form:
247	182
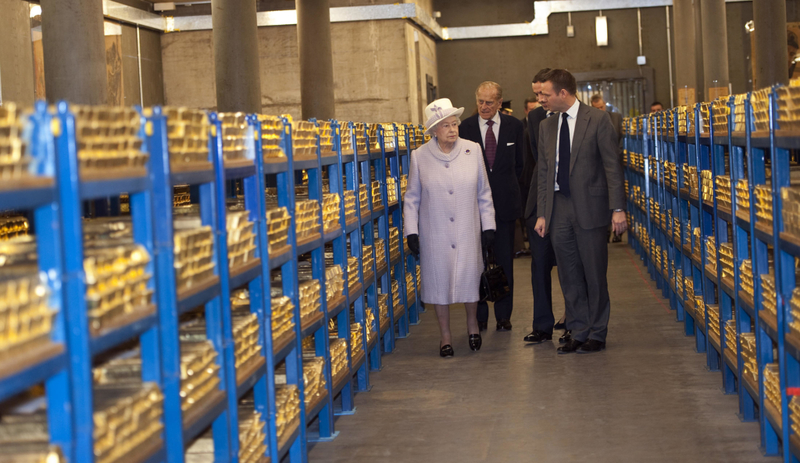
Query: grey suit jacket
595	173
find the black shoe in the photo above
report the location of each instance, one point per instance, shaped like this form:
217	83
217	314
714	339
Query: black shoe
617	239
570	347
538	337
482	326
560	326
591	346
475	342
565	338
504	325
446	351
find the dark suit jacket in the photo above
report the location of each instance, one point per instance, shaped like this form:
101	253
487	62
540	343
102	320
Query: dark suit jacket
595	173
508	163
535	117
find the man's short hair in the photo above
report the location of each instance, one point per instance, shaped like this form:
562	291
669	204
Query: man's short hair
531	100
497	88
561	80
596	97
539	77
656	103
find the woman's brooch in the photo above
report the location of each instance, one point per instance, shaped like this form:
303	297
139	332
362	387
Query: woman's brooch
466	151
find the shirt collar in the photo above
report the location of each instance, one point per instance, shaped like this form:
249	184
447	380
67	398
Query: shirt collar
573	110
496	119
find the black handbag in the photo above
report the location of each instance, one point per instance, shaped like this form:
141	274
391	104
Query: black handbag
494	284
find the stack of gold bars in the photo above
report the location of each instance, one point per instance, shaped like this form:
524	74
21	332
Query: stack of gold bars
655	210
116	283
708	186
394	243
791	209
278	221
726	262
352	272
687	236
746	276
334	282
690	180
350	206
241	238
713	319
763	205
656	255
338	348
287	409
739	120
401	136
14	159
367	260
282	319
363	199
730	334
409	286
194	254
724	191
313	378
108	140
325	138
245	329
395	292
698	236
380	254
772	389
356	340
25	318
24	438
252	435
748	342
759	102
12	227
309	299
126	415
330	212
666	262
187	134
377	202
789	106
419	277
346	138
304	140
271	133
768	296
673	175
370	320
383	309
743	196
391	190
361	137
794	414
688	285
234	136
679	283
306	218
199	372
794	312
403	187
676	230
721	112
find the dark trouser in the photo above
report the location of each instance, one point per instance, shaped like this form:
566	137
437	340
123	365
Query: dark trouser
504	256
542	261
582	257
519	235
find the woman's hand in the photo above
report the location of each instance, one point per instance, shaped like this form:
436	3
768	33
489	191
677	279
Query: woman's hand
487	238
413	244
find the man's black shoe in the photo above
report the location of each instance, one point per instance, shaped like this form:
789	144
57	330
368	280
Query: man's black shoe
504	325
565	337
591	346
538	337
482	326
570	347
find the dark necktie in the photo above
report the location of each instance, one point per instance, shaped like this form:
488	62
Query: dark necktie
563	156
491	144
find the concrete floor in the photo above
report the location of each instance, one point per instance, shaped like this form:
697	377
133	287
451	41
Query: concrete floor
647	398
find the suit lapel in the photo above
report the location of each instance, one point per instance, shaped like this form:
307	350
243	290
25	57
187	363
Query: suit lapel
501	140
581	123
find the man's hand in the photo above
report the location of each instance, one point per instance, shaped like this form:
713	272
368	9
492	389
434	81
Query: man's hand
618	223
540	226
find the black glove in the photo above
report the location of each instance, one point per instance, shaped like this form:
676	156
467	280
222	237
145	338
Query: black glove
487	238
413	244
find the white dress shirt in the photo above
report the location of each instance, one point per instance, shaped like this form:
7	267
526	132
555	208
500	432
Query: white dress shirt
572	115
495	128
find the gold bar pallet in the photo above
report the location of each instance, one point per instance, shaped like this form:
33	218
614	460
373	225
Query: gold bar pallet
181	281
714	196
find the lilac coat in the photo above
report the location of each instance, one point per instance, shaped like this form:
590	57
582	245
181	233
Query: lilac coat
447	203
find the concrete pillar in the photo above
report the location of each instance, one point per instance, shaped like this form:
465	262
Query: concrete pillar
698	49
685	52
770	56
715	49
16	53
316	59
74	51
235	31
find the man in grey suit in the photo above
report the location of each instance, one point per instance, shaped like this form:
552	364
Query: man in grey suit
580	192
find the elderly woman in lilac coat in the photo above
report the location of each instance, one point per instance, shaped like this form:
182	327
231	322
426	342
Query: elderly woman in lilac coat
448	215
